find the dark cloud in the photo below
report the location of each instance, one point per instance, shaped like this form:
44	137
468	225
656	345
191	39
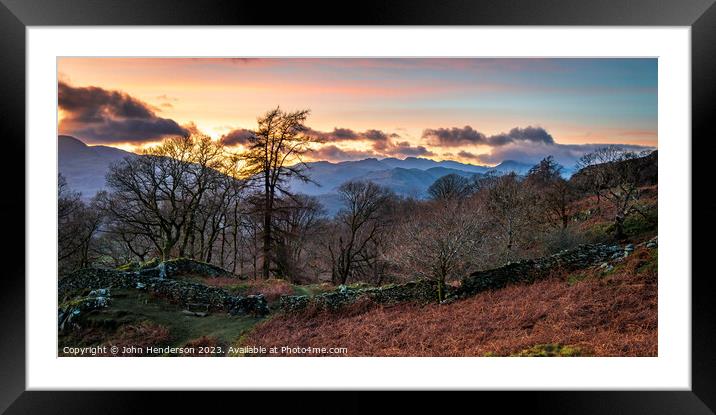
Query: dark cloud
528	145
383	145
453	137
347	134
333	153
533	134
238	136
406	150
375	135
534	151
468	155
99	115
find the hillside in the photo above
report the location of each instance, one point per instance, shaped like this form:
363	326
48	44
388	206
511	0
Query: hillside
85	166
603	310
586	313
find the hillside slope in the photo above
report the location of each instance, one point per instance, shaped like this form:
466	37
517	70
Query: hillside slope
587	313
85	167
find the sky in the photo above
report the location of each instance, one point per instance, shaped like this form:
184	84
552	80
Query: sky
474	110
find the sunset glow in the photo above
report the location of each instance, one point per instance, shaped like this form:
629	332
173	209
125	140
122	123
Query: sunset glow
576	101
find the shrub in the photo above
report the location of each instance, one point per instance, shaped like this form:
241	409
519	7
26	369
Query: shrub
599	232
635	224
561	239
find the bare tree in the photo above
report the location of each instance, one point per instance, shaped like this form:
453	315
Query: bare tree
160	195
509	206
147	199
358	225
441	242
200	162
77	225
275	155
449	187
295	223
69	205
613	174
554	195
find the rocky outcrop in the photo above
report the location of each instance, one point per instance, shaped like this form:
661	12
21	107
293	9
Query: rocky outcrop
70	310
531	270
177	291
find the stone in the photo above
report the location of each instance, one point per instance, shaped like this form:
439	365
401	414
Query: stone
70	310
423	291
528	271
103	292
177	291
194	313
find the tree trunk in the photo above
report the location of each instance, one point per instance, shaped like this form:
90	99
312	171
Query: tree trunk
267	243
223	243
441	287
619	227
268	206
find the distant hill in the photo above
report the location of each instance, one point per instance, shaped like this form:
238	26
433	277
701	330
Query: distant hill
425	164
411	176
512	166
85	166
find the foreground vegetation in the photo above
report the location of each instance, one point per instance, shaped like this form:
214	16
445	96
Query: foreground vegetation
189	198
134	318
610	313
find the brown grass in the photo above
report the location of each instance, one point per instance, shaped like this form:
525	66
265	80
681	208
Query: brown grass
220	281
272	288
604	212
602	315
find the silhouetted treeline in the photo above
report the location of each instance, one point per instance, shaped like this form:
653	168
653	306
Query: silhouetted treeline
190	197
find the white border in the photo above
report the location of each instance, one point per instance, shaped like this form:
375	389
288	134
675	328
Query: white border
671	370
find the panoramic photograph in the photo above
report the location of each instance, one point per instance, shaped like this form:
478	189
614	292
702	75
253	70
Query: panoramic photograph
379	207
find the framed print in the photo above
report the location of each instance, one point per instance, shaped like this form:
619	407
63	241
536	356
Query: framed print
458	196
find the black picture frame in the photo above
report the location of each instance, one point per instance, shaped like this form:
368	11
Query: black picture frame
16	15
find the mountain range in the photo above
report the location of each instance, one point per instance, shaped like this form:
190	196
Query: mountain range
85	168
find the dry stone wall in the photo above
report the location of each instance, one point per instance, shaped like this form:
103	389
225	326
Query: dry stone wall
423	291
531	270
177	291
426	291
